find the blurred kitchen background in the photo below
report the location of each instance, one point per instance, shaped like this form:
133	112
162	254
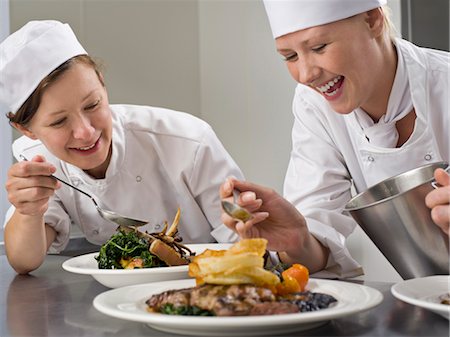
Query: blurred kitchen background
214	59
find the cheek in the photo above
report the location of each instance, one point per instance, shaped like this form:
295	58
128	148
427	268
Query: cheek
293	70
54	141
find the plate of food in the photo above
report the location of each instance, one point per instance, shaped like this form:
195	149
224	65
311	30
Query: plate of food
431	293
230	293
114	278
131	257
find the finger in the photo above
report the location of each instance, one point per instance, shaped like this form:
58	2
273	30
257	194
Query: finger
249	229
35	194
439	196
253	206
260	191
18	184
441	217
38	159
442	177
228	221
27	169
226	189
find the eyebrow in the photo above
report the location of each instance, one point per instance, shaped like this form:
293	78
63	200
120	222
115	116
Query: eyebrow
317	36
63	110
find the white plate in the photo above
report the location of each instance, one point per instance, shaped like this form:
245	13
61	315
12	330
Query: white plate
424	292
129	303
114	278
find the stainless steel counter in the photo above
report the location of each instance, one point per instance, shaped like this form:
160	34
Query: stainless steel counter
53	302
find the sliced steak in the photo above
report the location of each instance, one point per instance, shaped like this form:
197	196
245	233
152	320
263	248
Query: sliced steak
229	300
177	298
239	300
273	308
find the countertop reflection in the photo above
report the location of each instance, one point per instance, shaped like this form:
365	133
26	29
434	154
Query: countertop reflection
53	302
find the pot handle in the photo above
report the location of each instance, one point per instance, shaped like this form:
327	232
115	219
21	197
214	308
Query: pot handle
435	184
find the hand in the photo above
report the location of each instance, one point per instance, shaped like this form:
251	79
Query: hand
275	219
439	201
30	186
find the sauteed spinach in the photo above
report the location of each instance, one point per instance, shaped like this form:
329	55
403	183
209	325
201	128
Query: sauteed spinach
122	248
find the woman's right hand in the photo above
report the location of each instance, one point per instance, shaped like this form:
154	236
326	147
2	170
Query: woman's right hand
30	186
276	220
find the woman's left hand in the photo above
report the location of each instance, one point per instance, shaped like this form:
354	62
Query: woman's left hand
439	200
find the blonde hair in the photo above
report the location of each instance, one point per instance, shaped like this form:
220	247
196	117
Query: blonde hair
389	26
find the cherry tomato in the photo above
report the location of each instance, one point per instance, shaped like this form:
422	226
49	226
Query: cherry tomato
298	272
295	279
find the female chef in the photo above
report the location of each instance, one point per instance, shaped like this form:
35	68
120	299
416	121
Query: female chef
368	106
143	162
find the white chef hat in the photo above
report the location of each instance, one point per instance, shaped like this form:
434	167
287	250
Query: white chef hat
30	54
287	16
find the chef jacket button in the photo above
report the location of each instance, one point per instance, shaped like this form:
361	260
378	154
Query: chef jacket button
95	232
427	157
157	226
370	158
76	182
138	179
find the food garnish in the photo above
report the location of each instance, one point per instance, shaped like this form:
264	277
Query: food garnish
234	282
445	299
130	248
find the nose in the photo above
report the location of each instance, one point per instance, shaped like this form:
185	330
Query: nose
307	72
82	128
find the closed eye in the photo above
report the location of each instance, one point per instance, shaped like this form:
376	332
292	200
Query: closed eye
319	48
290	58
58	123
93	106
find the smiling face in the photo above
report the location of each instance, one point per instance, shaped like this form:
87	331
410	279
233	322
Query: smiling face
74	120
350	62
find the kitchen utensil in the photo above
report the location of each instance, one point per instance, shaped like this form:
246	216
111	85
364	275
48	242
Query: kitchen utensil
108	215
234	210
394	216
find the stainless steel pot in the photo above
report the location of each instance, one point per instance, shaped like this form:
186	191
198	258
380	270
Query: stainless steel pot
394	216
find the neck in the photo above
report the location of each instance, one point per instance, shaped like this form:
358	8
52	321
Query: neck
376	106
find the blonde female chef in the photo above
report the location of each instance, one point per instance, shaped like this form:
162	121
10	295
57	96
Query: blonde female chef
368	106
139	161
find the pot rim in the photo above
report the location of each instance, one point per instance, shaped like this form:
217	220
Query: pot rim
356	208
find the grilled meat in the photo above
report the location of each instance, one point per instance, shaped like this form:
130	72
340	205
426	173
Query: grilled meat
236	300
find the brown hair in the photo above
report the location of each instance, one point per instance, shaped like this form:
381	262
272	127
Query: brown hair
26	112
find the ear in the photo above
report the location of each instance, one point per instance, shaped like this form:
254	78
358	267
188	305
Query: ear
24	130
375	21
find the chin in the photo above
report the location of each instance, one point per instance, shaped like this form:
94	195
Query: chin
343	110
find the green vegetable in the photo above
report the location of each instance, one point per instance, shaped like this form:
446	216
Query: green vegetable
127	246
170	309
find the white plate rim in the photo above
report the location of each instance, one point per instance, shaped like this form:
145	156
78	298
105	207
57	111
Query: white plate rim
372	299
72	264
399	290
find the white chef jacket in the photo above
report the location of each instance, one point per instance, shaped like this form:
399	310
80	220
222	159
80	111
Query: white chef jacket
161	160
330	151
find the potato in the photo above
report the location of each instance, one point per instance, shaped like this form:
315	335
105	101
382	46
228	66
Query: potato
242	263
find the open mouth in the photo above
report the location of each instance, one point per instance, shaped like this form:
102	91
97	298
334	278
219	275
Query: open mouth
331	88
89	148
